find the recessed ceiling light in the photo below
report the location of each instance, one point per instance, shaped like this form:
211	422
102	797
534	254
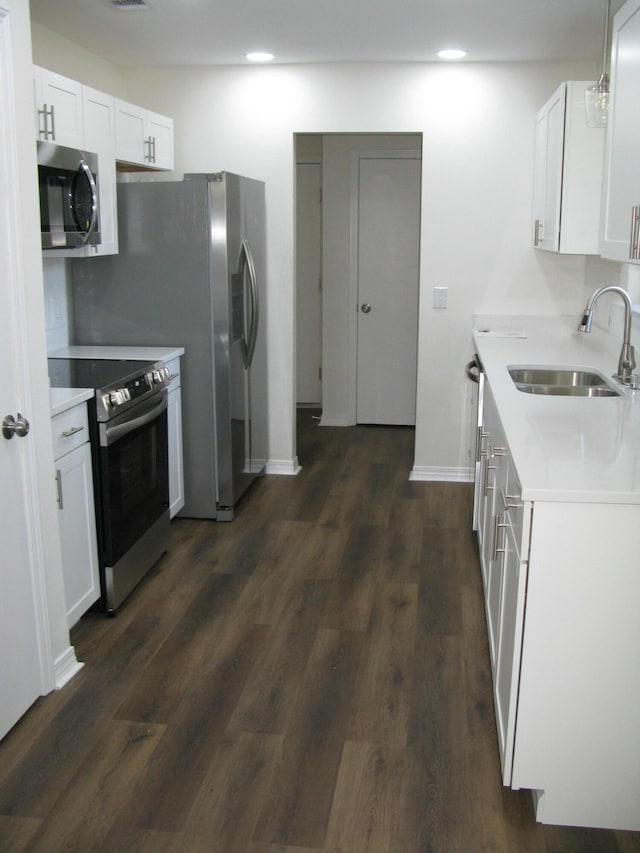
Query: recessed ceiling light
452	53
259	56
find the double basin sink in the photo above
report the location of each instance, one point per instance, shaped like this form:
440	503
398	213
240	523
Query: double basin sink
562	382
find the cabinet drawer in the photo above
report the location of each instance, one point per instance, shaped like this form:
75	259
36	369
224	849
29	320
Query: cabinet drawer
70	429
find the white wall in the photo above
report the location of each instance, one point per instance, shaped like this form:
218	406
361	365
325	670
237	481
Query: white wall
56	53
477	123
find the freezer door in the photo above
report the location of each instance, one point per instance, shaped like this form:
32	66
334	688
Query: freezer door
237	276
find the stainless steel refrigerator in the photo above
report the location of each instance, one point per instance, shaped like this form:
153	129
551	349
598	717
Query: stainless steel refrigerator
191	273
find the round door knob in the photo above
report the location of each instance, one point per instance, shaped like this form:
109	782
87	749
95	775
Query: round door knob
19	426
365	307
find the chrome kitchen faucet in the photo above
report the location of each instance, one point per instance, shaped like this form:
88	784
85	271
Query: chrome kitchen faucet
627	360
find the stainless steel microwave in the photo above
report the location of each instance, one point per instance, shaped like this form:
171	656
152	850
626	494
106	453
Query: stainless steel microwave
69	201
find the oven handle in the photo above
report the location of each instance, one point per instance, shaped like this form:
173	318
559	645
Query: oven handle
113	433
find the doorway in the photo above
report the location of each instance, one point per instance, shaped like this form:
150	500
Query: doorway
369	222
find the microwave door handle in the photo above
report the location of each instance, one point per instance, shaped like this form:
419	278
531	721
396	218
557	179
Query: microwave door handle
255	303
94	201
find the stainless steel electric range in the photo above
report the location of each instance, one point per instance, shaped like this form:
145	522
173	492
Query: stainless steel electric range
128	428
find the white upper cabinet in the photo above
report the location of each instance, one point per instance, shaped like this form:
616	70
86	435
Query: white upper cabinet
621	215
143	138
70	114
100	137
568	175
58	102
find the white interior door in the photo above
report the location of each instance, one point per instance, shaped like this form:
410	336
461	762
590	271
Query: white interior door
20	674
308	283
388	254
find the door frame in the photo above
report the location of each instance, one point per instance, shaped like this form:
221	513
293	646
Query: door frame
18	319
307	160
354	228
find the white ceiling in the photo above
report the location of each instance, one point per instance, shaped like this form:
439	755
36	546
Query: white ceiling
220	32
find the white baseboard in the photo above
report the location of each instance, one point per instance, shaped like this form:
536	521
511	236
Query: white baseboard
287	467
334	421
66	666
443	475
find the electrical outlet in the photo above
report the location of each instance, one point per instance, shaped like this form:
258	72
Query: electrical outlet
440	297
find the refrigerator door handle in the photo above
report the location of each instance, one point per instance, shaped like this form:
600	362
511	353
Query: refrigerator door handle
254	302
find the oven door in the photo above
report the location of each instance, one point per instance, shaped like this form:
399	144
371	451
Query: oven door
134	475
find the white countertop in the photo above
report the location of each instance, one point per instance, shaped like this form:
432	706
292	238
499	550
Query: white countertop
63	399
127	352
584	449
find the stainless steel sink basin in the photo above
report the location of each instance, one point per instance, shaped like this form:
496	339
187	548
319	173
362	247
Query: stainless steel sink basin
561	382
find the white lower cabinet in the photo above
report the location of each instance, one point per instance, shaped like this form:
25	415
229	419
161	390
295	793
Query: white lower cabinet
503	572
562	586
76	515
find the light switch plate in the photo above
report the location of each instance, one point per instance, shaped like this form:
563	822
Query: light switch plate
440	297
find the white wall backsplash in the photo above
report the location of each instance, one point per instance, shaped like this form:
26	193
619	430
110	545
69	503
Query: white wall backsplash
56	303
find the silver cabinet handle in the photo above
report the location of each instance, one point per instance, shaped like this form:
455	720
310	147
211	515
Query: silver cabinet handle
365	308
487	487
537	230
46	114
496	532
506	501
59	487
19	426
67	433
150	142
52	113
635	227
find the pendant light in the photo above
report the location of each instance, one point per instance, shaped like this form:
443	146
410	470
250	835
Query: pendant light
597	96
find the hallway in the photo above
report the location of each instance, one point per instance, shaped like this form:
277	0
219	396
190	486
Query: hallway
312	677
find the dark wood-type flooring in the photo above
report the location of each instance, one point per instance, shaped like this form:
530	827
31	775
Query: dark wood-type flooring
313	676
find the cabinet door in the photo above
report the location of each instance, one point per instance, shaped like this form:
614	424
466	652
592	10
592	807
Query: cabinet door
143	138
58	109
78	532
176	469
568	174
509	643
100	137
159	130
130	133
622	168
548	171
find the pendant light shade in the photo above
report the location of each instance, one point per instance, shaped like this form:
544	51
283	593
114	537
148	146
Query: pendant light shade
597	96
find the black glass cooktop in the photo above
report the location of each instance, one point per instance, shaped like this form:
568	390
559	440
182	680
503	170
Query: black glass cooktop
97	373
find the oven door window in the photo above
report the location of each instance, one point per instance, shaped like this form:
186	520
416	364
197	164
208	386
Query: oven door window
135	485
